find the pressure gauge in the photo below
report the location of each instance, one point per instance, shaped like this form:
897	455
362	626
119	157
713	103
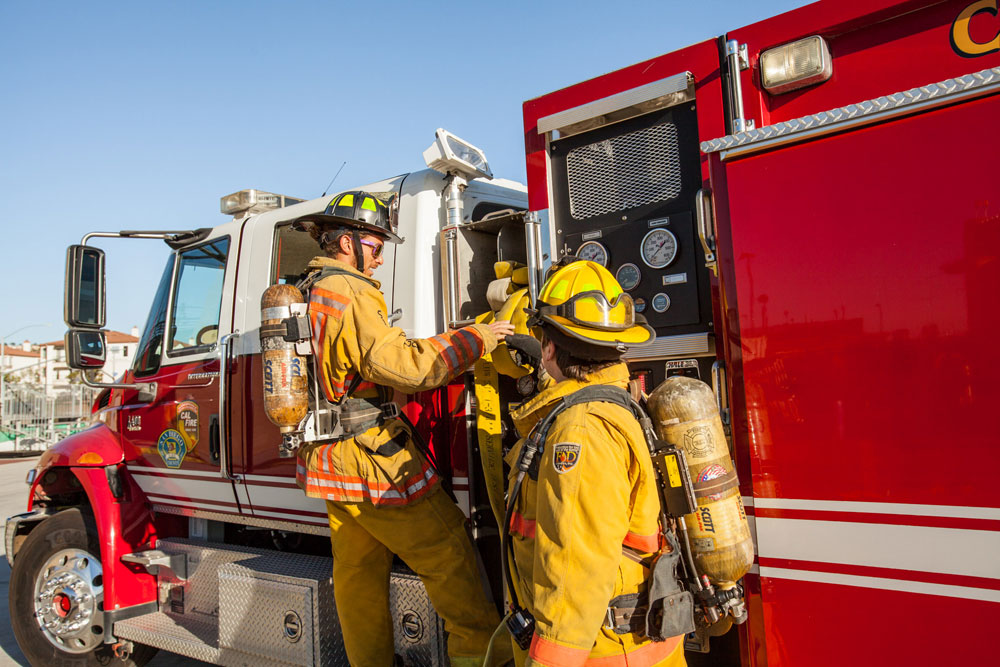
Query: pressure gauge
593	251
661	302
659	248
628	276
640	304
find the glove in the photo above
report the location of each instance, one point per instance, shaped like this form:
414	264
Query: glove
527	347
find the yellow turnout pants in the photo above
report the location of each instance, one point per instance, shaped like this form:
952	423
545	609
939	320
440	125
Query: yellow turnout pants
430	537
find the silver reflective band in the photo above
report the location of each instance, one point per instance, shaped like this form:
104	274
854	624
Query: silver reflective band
276	313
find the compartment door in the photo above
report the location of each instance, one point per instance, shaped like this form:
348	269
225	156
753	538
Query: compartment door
860	271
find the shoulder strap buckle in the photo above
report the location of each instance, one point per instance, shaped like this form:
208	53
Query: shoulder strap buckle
390	410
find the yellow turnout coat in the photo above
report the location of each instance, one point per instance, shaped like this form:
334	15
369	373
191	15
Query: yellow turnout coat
593	505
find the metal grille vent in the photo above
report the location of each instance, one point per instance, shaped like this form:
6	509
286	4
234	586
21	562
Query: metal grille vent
630	170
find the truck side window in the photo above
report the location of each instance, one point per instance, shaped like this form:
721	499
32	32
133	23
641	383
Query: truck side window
194	323
292	252
147	357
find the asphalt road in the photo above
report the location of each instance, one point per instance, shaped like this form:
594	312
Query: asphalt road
13	500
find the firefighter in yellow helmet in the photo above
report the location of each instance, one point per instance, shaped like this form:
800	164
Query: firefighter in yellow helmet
383	495
583	520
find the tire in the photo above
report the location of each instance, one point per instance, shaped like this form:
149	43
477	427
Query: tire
57	579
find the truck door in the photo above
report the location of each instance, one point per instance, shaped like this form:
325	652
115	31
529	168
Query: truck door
172	438
858	248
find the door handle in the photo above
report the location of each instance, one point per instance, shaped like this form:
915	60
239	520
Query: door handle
721	390
704	220
213	438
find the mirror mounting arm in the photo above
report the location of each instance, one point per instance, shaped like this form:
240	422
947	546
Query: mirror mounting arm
147	390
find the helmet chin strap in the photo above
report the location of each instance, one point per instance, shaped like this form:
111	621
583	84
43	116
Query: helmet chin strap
359	252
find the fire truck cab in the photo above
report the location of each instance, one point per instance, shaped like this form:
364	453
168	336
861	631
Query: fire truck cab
177	525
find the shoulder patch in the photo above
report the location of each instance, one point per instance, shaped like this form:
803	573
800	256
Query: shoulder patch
565	456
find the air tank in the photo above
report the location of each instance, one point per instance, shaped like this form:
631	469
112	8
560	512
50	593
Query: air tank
684	414
286	383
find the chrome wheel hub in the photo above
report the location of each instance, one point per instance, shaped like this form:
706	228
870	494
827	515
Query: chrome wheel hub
69	596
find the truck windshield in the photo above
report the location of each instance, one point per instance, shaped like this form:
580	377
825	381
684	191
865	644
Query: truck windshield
147	358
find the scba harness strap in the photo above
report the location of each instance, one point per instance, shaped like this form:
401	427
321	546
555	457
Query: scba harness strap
594	393
665	609
347	417
314	277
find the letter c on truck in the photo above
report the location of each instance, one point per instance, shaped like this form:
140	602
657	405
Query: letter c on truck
961	37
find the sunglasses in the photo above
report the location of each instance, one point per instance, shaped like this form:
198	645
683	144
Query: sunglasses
376	248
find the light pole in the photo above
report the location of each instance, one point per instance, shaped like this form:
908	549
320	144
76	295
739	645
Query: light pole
3	361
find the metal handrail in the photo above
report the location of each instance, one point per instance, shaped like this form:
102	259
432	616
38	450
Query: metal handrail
225	347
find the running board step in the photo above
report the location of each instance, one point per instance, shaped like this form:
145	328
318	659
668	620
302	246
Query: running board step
155	559
244	606
239	606
188	637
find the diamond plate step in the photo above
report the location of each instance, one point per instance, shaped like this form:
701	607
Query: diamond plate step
248	606
189	636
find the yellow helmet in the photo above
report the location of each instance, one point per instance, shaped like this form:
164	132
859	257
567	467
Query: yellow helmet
584	301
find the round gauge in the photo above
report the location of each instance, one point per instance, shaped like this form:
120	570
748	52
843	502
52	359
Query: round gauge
659	248
593	251
640	304
661	302
628	276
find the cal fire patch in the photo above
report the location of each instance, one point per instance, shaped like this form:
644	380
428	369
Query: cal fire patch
188	422
565	456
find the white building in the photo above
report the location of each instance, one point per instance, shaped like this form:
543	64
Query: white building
21	362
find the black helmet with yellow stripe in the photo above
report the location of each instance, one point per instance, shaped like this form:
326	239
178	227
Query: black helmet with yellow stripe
359	210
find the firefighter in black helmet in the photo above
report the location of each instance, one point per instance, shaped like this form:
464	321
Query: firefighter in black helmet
383	496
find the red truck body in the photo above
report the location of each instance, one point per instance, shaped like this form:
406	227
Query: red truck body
855	311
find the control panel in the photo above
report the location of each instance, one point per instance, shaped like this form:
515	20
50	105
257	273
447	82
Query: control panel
624	197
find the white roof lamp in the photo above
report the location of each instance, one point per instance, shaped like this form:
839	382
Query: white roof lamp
250	201
796	65
454	156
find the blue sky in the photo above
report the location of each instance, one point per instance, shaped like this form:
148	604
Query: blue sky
134	115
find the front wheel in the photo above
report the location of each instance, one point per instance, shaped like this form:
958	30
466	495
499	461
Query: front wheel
57	596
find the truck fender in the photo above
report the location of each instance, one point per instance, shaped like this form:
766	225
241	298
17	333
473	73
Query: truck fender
95	446
87	469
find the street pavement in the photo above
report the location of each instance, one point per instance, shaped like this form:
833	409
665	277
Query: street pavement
13	500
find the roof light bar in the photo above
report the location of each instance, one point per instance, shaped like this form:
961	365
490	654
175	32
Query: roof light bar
796	65
254	201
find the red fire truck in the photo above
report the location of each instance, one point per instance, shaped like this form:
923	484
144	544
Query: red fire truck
804	212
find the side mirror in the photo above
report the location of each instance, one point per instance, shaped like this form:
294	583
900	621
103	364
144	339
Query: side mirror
85	349
83	304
